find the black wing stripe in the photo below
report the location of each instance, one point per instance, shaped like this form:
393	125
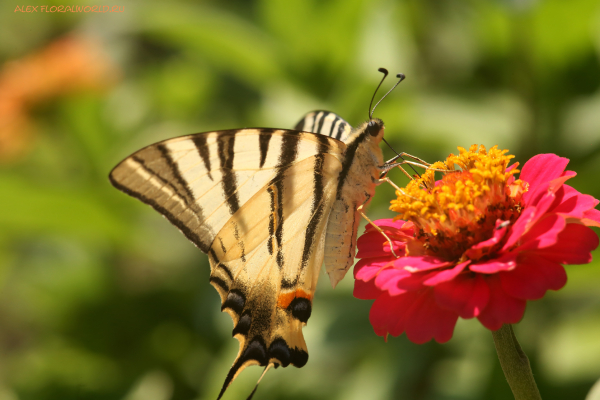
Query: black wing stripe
288	154
186	197
200	142
264	138
318	127
176	174
317	204
348	158
333	124
226	142
340	131
272	217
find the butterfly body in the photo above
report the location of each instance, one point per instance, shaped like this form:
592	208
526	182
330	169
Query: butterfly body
268	206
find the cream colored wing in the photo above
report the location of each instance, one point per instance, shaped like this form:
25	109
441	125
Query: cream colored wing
257	201
267	285
325	123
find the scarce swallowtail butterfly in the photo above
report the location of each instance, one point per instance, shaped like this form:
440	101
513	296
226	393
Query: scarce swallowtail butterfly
268	206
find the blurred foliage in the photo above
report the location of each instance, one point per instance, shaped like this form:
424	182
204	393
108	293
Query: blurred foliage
100	298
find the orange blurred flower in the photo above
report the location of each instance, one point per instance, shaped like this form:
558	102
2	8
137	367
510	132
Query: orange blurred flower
66	65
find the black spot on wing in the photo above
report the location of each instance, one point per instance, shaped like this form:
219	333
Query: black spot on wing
226	270
299	357
219	282
280	350
285	284
243	325
300	308
200	142
235	301
255	350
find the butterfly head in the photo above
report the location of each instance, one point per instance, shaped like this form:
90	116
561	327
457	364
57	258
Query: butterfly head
375	129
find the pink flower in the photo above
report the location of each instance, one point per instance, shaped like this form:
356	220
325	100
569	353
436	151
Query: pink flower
477	243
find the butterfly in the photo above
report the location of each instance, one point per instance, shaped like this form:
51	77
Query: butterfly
268	206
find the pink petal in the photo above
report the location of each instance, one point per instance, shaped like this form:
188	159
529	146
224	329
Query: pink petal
368	268
421	263
574	203
386	222
388	313
366	290
446	275
425	320
543	234
482	248
398	281
501	308
547	195
520	226
506	262
573	246
466	295
540	169
591	218
374	244
533	276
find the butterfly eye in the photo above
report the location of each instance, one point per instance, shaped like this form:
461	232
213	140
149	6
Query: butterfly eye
373	127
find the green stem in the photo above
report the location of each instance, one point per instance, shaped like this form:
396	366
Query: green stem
515	365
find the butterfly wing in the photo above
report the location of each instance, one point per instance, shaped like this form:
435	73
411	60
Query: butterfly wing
257	201
325	123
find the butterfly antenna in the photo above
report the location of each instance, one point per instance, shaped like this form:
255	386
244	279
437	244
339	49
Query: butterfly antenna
385	74
400	79
259	379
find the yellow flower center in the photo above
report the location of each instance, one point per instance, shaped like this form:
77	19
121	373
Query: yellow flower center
462	208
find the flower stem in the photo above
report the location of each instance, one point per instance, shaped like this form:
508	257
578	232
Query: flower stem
515	364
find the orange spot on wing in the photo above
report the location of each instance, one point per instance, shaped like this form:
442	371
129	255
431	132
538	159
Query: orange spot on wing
284	299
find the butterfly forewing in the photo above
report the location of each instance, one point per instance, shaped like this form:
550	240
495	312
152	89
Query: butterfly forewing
257	201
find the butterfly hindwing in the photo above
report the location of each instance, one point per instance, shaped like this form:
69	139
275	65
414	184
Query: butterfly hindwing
268	312
258	202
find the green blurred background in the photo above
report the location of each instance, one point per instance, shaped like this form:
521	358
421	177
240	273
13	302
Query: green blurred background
101	298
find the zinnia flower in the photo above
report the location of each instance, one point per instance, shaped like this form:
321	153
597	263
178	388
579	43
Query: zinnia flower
477	243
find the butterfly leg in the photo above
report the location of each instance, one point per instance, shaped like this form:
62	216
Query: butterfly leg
391	164
402	155
362	214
